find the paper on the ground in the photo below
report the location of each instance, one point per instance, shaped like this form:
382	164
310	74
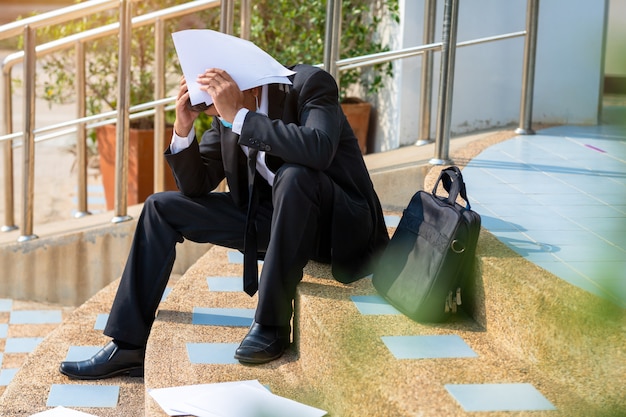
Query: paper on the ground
243	400
249	65
229	399
62	412
173	400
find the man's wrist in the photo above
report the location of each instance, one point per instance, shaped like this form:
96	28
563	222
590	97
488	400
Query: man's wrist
180	143
182	131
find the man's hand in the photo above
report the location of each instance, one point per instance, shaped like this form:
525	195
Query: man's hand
227	97
184	115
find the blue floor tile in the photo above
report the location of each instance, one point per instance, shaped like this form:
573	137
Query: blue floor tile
83	396
594	250
212	353
225	284
223	316
499	397
21	344
167	292
373	305
425	347
616	237
92	200
101	321
235	257
6	376
392	220
600	224
6	304
4	329
497	224
35	317
79	353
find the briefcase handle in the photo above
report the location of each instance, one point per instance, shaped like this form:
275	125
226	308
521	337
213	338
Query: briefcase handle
453	183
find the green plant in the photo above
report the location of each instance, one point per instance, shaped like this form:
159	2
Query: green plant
293	32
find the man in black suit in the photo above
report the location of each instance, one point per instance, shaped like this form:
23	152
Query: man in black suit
311	194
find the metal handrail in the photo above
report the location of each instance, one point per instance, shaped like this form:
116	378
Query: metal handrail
383	57
56	17
343	65
137	112
81	123
448	48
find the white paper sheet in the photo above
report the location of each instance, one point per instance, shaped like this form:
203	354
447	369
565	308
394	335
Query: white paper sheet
250	66
246	401
62	412
229	399
173	400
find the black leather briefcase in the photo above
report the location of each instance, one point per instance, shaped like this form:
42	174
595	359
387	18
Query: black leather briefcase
431	253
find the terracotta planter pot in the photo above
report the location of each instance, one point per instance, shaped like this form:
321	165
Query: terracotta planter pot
140	164
358	113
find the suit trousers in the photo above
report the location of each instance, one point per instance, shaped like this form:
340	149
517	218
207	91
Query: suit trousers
292	221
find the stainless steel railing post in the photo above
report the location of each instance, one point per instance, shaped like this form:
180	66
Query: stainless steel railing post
332	38
81	135
246	10
122	143
226	16
446	81
7	148
159	110
426	89
28	164
528	74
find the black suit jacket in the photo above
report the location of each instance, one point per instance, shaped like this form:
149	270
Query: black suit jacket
305	126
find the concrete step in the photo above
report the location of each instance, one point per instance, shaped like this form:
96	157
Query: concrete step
525	327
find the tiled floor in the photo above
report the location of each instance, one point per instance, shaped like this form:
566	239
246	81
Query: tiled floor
558	198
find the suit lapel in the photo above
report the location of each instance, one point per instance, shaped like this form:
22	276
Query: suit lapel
276	95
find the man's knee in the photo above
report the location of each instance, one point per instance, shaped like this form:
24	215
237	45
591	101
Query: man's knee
162	200
294	175
298	183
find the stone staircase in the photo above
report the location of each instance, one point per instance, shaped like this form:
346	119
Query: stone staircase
521	326
526	327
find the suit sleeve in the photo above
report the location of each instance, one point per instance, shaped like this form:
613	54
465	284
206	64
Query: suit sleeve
312	141
198	170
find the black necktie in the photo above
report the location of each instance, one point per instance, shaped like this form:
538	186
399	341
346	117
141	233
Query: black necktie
250	266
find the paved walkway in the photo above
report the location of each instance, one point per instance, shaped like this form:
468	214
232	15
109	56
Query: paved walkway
558	198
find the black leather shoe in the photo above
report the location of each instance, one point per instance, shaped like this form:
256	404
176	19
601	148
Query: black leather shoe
263	344
110	361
